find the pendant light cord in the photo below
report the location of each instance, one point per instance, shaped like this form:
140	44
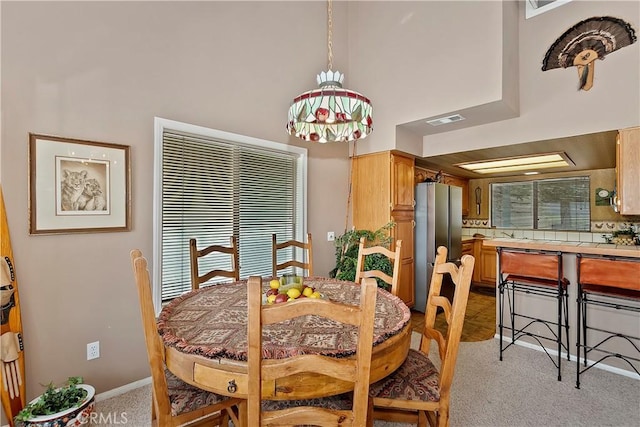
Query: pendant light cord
346	220
329	33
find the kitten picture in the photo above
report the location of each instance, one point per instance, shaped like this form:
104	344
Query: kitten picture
72	186
91	198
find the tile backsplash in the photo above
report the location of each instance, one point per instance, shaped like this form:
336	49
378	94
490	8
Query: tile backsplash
599	230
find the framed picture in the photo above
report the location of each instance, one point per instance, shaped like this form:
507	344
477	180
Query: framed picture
536	7
78	186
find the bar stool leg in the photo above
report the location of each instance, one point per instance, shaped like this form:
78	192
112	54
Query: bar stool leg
512	311
566	321
584	328
578	333
559	298
501	314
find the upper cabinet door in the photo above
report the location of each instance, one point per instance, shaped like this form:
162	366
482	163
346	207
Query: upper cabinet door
402	183
628	171
464	184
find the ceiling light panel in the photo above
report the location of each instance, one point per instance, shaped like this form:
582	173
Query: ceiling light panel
541	161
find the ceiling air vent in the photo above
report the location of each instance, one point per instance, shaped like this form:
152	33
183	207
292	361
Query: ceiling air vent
445	120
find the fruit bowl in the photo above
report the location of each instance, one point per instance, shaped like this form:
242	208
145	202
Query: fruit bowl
265	301
288	288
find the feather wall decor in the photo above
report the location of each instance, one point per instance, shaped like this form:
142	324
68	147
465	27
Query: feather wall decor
588	40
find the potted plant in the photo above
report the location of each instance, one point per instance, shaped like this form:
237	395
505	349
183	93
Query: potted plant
68	405
347	247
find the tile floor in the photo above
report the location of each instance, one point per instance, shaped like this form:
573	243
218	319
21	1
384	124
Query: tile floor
480	318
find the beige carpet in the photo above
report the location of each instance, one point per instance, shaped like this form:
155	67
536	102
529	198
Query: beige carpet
522	390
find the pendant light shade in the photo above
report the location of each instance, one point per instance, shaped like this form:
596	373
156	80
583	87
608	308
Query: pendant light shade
330	113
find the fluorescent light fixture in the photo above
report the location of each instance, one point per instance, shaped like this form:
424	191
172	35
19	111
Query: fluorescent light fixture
532	173
523	163
444	120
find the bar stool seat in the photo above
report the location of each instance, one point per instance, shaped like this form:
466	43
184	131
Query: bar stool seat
536	273
612	283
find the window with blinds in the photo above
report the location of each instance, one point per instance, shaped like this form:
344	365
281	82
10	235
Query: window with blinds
213	188
549	204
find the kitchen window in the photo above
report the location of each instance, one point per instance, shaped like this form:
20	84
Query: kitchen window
548	204
211	185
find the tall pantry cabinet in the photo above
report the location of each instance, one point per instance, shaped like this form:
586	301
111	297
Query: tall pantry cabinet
383	191
628	171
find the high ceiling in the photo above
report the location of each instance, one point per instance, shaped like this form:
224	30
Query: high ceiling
591	151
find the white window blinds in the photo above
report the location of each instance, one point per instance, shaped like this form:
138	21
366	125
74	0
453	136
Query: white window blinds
549	204
214	188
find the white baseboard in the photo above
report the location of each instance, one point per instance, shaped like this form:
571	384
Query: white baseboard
572	358
123	389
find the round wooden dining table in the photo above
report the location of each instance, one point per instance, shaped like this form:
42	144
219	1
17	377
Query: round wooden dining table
205	339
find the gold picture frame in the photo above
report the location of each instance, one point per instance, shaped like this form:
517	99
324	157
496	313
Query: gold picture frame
78	186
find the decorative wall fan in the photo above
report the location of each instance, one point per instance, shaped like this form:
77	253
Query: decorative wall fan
588	40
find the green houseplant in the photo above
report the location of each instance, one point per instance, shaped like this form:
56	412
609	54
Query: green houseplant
347	246
70	404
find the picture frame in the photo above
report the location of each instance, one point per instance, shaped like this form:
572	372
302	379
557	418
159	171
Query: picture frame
78	186
536	7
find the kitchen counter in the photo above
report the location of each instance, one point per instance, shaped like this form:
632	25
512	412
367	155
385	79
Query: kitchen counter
568	247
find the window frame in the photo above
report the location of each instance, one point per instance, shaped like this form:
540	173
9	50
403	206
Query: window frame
162	124
535	202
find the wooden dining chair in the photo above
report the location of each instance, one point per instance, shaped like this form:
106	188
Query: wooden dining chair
291	246
348	409
209	256
418	392
174	402
394	257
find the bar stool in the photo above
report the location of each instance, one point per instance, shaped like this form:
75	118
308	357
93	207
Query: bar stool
606	282
535	273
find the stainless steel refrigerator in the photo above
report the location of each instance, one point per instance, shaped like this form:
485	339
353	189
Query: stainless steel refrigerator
438	216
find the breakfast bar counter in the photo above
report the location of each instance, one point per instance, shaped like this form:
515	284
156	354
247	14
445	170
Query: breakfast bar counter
608	249
623	322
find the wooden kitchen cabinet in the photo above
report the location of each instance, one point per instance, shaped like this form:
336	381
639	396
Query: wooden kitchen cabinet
402	185
462	183
467	247
383	191
628	171
488	259
422	174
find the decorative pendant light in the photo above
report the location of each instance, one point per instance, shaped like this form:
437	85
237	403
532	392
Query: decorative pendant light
330	113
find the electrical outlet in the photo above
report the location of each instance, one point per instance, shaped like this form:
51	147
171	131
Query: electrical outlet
331	236
93	350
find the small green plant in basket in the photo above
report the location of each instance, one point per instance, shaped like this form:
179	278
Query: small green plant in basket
347	247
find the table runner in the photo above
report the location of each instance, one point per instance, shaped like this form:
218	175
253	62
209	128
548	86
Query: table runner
212	322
